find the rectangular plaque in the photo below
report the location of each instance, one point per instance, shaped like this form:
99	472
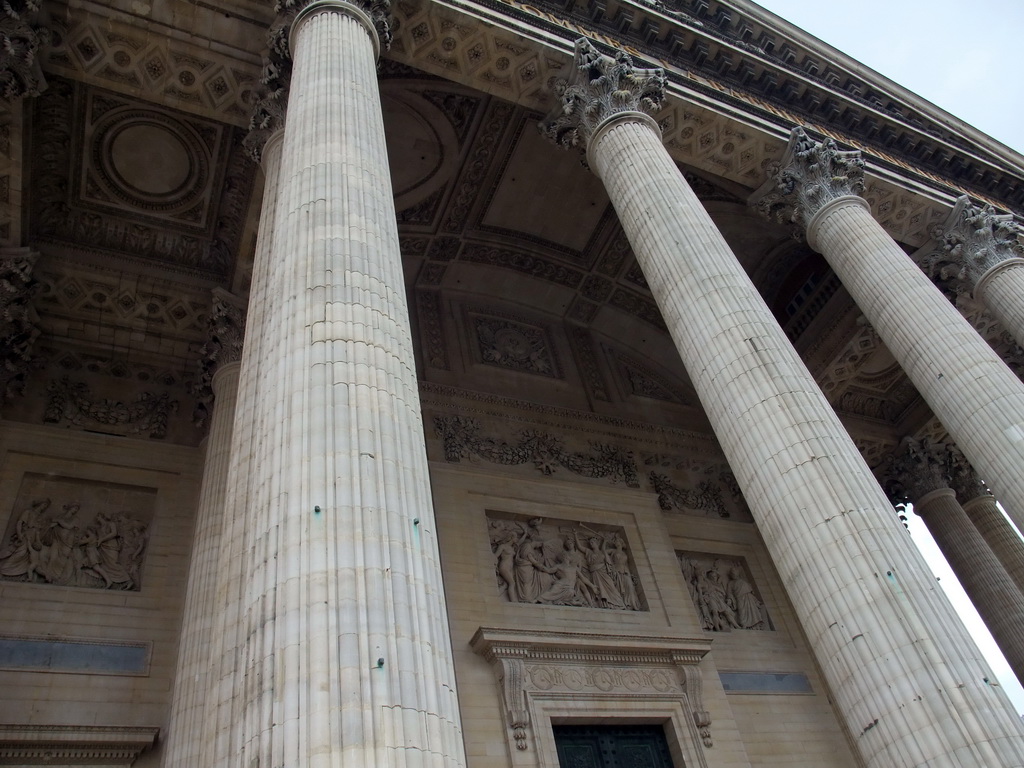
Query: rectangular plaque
93	657
765	682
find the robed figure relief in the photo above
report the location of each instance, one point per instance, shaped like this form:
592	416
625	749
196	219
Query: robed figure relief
557	563
722	593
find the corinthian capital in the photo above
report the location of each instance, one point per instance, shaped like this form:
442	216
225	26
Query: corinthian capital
811	174
21	37
971	241
600	87
915	468
269	110
18	320
227	333
963	479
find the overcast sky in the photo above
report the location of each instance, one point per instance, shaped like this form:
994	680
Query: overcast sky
964	58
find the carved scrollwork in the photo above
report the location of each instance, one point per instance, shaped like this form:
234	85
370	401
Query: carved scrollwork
811	174
17	320
72	402
461	439
707	496
600	86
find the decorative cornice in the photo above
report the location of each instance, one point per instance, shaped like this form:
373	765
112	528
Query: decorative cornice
971	242
18	320
600	87
74	744
22	37
916	468
811	175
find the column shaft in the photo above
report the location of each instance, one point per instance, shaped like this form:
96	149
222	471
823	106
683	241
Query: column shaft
188	703
966	384
346	657
1000	604
1002	292
1000	536
222	704
906	677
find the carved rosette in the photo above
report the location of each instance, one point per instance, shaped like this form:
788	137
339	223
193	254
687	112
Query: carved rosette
915	468
811	175
963	479
971	241
17	320
599	88
21	37
227	333
269	111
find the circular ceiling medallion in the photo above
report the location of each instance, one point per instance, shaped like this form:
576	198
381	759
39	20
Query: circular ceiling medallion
149	160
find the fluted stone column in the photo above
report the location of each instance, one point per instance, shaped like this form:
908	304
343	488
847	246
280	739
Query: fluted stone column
345	656
220	375
980	506
979	252
975	396
920	473
906	677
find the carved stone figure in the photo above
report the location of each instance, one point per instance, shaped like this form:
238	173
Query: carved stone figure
723	602
537	562
107	554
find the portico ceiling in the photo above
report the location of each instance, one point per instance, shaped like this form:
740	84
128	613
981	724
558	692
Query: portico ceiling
137	178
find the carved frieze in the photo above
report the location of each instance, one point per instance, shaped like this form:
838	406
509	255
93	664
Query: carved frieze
723	593
462	438
79	534
706	497
18	321
556	562
73	403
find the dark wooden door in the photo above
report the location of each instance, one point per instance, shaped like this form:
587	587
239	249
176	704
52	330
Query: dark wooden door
612	746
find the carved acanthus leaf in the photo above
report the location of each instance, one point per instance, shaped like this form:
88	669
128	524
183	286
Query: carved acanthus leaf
600	87
915	468
811	174
971	241
227	332
21	37
18	329
963	479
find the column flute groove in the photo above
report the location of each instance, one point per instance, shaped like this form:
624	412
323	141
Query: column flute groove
336	574
904	673
975	396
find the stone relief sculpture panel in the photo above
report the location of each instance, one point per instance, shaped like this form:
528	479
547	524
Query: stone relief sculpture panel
723	593
511	342
556	562
77	534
